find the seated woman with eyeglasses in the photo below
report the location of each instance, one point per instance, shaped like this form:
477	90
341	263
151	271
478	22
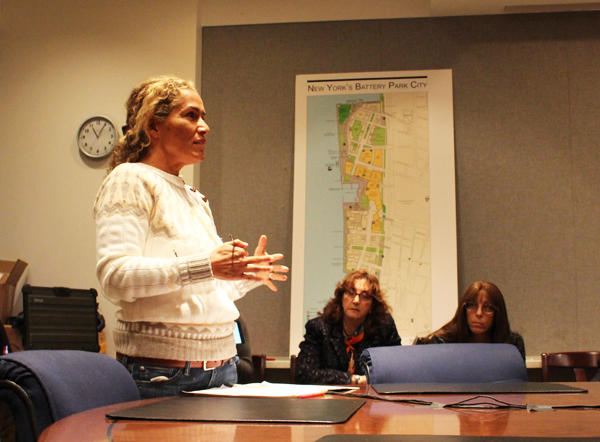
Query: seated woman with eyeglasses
480	317
357	317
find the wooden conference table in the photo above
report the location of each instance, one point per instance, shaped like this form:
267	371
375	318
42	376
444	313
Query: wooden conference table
375	417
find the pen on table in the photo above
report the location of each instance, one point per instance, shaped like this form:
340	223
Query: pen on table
304	396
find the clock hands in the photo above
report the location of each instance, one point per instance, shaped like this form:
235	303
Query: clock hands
100	133
95	131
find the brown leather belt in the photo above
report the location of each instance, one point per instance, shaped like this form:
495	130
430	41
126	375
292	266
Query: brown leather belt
206	365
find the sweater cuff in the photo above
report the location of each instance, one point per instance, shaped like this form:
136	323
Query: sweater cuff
194	269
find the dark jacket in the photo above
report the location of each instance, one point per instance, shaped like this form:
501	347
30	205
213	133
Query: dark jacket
323	358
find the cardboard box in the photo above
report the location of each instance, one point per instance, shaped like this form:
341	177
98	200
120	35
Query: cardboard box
14	339
13	275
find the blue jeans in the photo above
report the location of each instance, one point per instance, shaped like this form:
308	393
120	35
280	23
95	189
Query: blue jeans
155	381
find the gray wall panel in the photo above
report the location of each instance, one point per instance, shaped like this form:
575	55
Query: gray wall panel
584	68
248	84
526	106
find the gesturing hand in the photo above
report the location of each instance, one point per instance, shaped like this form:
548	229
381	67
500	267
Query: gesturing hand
274	273
230	261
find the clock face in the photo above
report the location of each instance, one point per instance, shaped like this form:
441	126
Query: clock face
97	137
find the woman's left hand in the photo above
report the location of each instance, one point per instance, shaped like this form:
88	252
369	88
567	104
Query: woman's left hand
275	274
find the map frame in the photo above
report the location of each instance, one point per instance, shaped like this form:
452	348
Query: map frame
437	84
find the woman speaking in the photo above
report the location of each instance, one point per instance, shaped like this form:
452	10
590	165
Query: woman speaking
159	257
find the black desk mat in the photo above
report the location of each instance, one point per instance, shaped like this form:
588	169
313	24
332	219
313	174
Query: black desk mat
438	438
244	409
477	388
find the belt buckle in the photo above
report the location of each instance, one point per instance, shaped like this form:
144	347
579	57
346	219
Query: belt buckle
205	368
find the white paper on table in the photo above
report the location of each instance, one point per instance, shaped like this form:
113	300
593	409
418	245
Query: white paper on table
267	389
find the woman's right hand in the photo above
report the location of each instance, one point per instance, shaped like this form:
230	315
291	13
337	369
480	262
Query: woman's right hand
230	261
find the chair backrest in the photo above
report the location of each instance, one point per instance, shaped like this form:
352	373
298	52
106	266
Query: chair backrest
246	366
252	367
260	367
449	363
42	386
293	369
577	360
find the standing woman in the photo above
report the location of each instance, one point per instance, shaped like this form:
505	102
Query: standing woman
159	258
480	318
356	318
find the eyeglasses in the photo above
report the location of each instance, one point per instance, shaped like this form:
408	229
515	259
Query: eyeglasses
487	309
364	296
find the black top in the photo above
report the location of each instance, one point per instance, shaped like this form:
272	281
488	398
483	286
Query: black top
323	358
514	339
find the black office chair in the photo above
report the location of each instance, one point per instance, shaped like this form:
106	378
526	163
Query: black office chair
252	367
41	387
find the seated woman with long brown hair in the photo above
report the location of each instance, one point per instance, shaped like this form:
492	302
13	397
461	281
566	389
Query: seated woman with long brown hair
357	317
480	318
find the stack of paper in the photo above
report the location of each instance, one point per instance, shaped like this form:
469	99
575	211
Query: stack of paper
266	389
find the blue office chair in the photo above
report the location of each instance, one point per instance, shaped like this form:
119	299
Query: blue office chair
41	387
449	363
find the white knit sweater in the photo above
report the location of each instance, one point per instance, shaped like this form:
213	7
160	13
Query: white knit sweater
154	235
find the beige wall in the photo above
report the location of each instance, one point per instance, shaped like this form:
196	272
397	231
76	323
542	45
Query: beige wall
60	63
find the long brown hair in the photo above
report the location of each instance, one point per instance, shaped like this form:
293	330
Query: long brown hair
334	312
458	331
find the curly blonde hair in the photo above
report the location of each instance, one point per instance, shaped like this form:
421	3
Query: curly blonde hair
151	101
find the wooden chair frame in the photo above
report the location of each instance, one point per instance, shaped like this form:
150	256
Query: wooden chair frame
577	360
260	367
293	369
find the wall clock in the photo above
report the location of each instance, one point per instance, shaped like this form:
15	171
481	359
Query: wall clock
97	137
